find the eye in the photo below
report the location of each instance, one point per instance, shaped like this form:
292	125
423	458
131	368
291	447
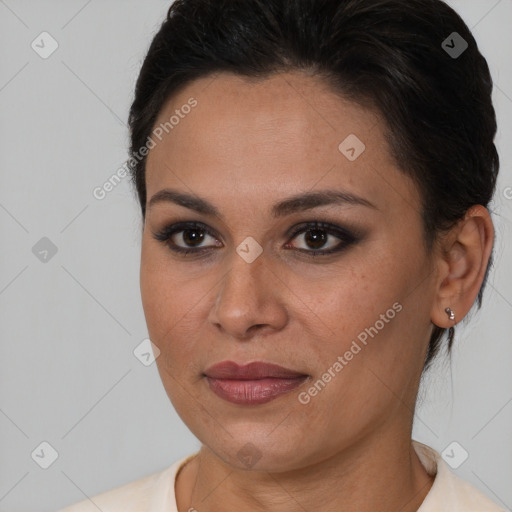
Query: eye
186	237
321	238
318	238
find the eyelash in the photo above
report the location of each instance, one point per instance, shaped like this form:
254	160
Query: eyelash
347	238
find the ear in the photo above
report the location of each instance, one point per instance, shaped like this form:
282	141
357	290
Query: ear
465	253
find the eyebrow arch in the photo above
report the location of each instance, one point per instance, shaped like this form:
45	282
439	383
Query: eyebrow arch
293	204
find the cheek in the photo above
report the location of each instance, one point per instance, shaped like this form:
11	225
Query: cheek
378	336
162	295
364	314
171	304
344	303
175	306
169	307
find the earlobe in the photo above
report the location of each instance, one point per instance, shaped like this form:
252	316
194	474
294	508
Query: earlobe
450	313
444	319
465	256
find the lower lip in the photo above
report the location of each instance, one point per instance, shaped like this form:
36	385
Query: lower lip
253	392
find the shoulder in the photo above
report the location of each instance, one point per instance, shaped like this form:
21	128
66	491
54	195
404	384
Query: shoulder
152	493
450	492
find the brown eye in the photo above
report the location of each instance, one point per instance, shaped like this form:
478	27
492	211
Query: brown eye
187	237
318	238
192	237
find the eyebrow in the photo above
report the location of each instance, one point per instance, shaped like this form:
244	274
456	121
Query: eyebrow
293	204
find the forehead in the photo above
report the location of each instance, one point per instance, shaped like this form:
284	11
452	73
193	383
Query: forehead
279	135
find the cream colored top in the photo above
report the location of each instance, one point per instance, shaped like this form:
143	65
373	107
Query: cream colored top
155	492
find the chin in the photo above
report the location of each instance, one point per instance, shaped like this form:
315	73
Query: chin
254	449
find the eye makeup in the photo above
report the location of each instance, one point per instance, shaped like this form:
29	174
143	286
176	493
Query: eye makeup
193	233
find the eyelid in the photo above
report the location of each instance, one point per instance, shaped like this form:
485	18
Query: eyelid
169	230
323	225
345	235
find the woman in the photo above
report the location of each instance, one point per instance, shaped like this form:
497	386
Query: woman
314	179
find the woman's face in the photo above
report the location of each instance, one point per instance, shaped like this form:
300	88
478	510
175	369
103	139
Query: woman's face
355	322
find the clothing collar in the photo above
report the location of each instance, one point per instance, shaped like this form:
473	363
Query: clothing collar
448	492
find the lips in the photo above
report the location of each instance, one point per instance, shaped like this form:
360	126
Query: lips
251	384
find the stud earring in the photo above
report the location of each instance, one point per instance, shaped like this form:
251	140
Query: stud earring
450	313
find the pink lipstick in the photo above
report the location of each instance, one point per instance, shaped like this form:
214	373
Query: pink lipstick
252	384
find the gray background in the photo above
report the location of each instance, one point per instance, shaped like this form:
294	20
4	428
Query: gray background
68	326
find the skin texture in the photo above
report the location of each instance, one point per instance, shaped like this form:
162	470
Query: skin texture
244	147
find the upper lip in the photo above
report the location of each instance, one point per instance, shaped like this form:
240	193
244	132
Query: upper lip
251	371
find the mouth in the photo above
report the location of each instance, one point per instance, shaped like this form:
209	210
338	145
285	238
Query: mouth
252	384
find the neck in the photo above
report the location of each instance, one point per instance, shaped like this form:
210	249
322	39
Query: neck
381	473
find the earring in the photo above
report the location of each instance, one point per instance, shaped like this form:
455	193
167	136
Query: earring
450	313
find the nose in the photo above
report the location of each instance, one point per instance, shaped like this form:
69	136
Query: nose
249	300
